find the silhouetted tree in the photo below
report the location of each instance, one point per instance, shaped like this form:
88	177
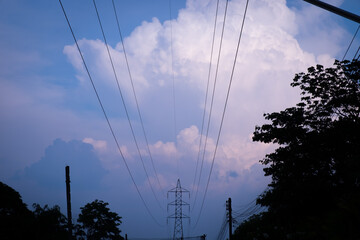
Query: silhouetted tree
97	222
15	218
18	222
50	222
315	188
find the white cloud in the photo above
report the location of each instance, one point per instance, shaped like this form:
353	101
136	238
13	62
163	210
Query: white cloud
188	139
167	149
99	145
270	55
75	59
277	43
317	32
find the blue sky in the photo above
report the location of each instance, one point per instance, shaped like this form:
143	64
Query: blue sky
50	116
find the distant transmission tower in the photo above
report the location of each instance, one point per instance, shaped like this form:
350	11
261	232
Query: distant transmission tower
178	215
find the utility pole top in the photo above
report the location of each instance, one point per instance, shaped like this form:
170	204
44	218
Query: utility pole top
229	209
68	201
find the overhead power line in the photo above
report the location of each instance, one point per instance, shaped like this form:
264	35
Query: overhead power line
223	228
224	110
173	81
211	104
351	43
206	96
357	53
241	216
124	105
336	10
105	115
246	211
137	104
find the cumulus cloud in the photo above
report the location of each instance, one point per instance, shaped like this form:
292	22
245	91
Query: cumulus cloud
311	22
277	42
87	171
167	149
269	56
99	145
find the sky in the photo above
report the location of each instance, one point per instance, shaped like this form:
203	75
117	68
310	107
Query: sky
50	116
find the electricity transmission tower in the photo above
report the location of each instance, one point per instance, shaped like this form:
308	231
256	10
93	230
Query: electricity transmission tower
178	215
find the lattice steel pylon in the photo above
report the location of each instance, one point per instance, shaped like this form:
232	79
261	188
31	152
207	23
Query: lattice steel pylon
178	215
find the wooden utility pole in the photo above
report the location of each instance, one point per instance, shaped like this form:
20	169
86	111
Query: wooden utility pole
68	201
336	10
228	207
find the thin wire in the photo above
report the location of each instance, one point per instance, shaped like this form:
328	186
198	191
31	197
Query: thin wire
212	102
246	212
222	230
241	208
137	104
357	58
173	81
351	43
105	115
249	212
206	96
223	115
126	111
246	206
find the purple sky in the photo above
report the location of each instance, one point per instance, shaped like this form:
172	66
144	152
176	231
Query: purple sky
50	116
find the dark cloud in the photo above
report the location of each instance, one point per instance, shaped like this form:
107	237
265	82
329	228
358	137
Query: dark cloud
86	171
233	174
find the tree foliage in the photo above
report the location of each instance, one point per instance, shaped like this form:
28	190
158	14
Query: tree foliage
15	218
315	187
98	222
50	223
18	222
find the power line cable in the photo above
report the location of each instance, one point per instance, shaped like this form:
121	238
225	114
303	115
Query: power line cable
246	206
137	104
357	53
238	219
223	114
240	208
206	96
223	228
248	210
105	115
124	105
173	81
212	102
351	43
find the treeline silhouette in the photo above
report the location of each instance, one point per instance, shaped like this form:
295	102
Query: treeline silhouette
95	221
315	187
